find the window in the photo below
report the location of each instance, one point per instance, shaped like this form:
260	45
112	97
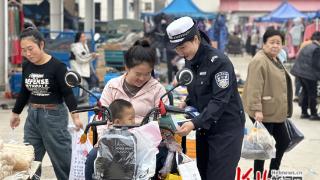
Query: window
148	6
97	12
131	6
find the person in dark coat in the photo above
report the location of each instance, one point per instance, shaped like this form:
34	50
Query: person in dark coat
307	71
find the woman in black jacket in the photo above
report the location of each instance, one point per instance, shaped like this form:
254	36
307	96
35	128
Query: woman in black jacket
213	91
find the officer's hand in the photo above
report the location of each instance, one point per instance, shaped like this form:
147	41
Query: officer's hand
258	116
182	105
185	129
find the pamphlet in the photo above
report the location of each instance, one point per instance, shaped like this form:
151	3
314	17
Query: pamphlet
172	121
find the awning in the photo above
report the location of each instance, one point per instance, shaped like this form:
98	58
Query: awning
180	8
282	13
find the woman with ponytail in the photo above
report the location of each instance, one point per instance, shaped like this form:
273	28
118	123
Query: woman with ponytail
49	98
136	86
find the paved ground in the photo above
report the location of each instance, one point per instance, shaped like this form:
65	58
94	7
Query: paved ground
304	158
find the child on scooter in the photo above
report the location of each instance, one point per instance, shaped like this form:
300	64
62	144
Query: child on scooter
122	114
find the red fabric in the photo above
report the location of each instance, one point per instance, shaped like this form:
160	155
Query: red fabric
11	21
310	29
162	108
21	20
289	46
100	113
15	49
16	57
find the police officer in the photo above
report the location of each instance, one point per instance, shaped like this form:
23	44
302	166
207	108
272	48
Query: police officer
213	91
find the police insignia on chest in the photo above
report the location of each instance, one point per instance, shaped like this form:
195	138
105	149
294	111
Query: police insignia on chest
222	79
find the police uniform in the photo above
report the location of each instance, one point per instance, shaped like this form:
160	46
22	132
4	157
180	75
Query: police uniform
220	125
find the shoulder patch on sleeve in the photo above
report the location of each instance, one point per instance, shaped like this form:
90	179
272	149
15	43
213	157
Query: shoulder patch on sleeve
213	58
222	79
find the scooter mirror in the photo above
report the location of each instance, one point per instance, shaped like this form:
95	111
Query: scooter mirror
184	76
72	79
96	37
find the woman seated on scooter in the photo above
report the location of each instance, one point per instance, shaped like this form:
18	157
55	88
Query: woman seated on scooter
123	115
136	86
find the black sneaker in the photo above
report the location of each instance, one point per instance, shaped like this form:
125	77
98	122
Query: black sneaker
305	116
314	117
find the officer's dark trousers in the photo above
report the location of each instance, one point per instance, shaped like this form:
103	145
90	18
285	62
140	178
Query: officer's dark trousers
219	150
47	131
279	132
308	96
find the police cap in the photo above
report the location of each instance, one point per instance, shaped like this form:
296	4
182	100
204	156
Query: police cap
181	30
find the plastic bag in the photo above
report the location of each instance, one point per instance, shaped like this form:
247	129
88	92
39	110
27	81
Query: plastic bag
168	146
117	155
187	168
258	144
148	139
166	169
79	155
295	135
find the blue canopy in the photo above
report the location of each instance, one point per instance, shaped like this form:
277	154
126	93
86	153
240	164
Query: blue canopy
283	13
317	15
181	8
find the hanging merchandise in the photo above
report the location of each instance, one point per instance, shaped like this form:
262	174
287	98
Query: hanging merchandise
290	47
310	29
10	28
16	20
15	26
220	32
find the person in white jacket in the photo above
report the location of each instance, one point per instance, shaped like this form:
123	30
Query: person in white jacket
81	58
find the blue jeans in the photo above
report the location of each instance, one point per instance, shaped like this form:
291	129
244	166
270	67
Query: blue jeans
47	131
89	168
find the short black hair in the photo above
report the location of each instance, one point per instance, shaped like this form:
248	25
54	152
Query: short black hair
272	32
140	52
32	33
316	36
117	107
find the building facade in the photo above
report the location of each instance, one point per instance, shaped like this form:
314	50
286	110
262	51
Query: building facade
102	7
